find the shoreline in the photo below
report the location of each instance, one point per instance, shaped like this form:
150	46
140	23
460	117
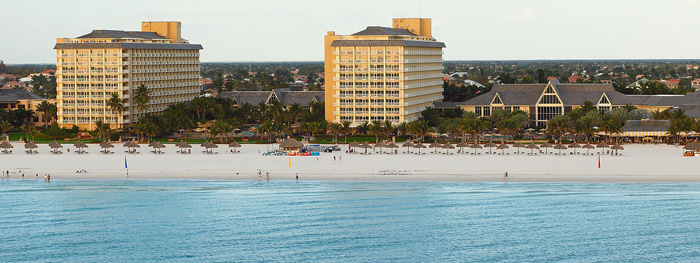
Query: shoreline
639	164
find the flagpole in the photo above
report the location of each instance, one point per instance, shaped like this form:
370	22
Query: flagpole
126	167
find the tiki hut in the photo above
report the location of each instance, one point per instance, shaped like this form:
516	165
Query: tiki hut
30	146
532	148
291	145
435	145
55	146
574	146
545	146
419	146
503	148
518	145
81	147
234	145
560	147
490	145
6	145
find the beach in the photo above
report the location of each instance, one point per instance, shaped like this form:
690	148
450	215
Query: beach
640	163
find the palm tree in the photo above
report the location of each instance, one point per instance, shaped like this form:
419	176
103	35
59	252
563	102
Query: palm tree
296	111
363	128
116	105
418	128
376	129
335	128
44	108
28	129
5	126
102	129
200	105
142	98
220	128
346	129
475	126
558	125
388	128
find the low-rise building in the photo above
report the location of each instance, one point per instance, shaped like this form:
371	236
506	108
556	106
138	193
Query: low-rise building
12	99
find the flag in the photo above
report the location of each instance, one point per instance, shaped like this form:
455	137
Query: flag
599	161
125	166
290	160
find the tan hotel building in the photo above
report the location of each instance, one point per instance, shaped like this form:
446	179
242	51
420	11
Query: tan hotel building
383	73
90	68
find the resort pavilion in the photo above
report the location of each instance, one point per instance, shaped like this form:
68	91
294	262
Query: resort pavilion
542	102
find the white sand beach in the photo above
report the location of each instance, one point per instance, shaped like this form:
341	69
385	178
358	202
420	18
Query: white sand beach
640	163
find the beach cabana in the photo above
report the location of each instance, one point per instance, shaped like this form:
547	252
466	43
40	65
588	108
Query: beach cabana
353	145
408	146
503	148
183	146
291	145
447	147
603	145
462	145
435	145
379	145
234	145
545	146
532	148
560	147
574	146
475	146
209	147
156	147
616	148
419	146
55	146
490	145
518	145
392	146
30	146
81	147
5	146
131	147
588	148
105	147
365	146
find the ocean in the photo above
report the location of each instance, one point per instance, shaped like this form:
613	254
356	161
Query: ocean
326	221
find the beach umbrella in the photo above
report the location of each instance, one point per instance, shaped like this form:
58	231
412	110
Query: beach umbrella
183	146
692	146
435	145
392	146
31	146
588	148
602	145
132	145
177	144
462	145
157	146
560	147
380	145
574	146
518	145
503	148
532	148
407	145
234	145
448	146
6	145
55	146
80	146
150	144
475	146
616	148
419	146
490	145
365	146
106	145
545	146
353	145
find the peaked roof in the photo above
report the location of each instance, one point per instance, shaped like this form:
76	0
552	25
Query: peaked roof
251	97
14	95
122	34
383	31
646	125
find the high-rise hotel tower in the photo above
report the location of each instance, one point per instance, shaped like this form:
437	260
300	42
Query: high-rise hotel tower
90	68
383	73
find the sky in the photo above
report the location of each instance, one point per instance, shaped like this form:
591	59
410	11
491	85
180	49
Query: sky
282	30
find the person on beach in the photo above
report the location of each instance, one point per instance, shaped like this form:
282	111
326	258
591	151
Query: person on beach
505	175
297	176
334	158
340	158
268	176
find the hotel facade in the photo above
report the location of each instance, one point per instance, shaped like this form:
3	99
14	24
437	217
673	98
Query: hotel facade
92	67
383	73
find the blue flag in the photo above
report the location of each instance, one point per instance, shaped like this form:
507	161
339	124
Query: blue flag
125	166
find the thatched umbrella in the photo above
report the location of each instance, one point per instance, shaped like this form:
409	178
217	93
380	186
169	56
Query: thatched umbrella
353	145
150	144
80	146
603	145
560	147
448	146
588	148
462	145
31	146
157	146
106	145
419	146
55	146
234	145
574	146
132	145
518	145
490	145
408	146
183	146
545	146
379	145
366	146
503	148
475	146
692	146
532	148
392	146
435	145
616	148
211	146
6	145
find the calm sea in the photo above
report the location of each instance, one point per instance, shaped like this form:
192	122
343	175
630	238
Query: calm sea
224	221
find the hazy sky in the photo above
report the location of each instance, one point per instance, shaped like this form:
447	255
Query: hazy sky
293	30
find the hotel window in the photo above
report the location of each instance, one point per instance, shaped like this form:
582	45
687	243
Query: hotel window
487	111
603	109
516	108
477	110
547	113
508	108
549	99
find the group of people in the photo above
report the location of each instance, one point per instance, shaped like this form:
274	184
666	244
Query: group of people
6	174
267	174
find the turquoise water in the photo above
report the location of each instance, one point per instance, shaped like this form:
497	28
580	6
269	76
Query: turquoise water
224	221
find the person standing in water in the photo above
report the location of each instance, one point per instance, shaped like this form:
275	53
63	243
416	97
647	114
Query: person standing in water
297	176
505	175
268	176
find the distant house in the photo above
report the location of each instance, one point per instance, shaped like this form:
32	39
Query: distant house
695	84
449	78
7	77
551	78
671	83
12	85
460	74
12	99
573	79
469	82
639	76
